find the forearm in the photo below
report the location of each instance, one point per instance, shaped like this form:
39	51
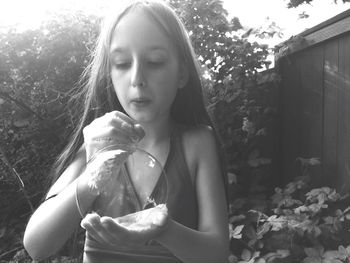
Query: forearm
192	246
54	222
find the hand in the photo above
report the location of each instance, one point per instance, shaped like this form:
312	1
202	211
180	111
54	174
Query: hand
112	128
135	229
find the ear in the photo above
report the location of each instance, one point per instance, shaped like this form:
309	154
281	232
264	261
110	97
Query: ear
183	76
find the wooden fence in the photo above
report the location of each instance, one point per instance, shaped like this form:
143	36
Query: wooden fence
315	102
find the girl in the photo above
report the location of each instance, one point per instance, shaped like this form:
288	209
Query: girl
143	85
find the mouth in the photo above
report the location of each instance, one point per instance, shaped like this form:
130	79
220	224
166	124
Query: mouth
140	102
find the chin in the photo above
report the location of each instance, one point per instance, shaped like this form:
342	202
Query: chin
141	117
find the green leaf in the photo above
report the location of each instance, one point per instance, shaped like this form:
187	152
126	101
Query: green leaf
344	252
311	161
2	231
312	260
263	229
277	223
232	178
280	253
346	210
259	161
332	254
232	259
313	252
236	233
246	255
21	123
260	260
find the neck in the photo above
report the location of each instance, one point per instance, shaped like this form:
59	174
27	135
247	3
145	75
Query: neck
156	132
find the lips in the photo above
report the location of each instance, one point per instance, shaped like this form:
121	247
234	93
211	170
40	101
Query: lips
139	102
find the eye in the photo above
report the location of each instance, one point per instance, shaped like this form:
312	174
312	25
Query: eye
156	63
122	65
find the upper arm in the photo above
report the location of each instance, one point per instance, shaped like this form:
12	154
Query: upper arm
73	170
209	183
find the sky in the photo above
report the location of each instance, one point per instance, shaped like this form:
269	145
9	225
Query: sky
252	13
255	13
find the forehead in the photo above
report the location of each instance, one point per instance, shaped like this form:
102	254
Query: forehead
138	29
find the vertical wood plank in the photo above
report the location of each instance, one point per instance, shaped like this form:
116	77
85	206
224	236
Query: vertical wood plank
330	122
311	118
343	163
289	117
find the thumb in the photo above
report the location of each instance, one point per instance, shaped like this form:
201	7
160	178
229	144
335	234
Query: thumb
140	133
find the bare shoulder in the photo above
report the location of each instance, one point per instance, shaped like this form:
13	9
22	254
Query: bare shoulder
200	147
200	138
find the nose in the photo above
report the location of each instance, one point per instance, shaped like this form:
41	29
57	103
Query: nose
138	75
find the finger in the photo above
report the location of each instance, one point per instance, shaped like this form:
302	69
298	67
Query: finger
116	124
91	233
89	219
106	137
123	233
107	131
118	232
93	226
129	124
112	225
121	120
122	116
87	225
132	234
114	132
139	131
113	119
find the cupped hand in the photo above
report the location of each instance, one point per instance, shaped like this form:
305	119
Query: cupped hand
112	128
134	229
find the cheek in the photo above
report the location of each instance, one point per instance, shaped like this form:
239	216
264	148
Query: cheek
120	93
168	85
118	82
169	78
168	93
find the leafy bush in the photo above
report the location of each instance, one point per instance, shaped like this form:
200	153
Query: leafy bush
38	71
296	224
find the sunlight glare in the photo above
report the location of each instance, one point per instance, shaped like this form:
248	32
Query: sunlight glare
26	14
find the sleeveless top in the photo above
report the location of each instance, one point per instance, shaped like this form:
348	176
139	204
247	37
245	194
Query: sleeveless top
182	207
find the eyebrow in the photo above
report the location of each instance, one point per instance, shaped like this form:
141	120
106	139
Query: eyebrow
123	50
117	50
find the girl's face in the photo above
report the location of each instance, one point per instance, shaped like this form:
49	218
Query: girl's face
145	68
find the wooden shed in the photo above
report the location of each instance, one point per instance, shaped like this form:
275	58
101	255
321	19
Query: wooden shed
315	101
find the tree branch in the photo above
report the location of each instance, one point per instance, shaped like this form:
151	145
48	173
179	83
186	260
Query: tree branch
22	105
6	96
16	176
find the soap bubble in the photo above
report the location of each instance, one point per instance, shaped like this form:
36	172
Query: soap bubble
128	180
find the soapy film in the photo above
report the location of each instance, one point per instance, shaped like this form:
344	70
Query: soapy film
114	188
144	220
